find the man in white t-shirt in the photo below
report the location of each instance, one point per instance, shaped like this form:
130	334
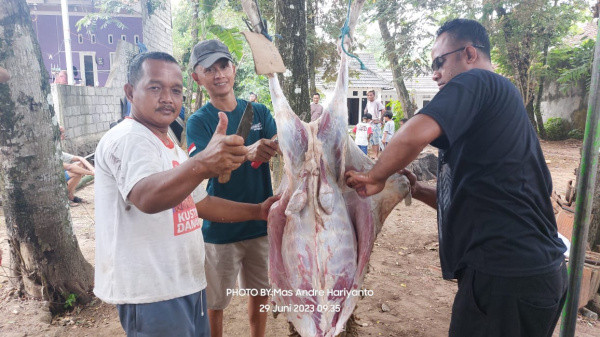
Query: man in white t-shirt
376	109
149	246
363	132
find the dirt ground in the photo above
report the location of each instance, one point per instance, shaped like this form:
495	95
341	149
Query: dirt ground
405	278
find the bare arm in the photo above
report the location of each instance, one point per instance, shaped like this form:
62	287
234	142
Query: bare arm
402	149
164	190
219	210
85	163
420	191
76	168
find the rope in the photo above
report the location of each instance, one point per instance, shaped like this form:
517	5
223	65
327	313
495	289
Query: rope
263	24
346	31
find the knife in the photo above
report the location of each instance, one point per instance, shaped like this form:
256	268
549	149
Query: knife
243	130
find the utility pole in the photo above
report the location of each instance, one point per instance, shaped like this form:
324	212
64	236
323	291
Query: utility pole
67	36
585	197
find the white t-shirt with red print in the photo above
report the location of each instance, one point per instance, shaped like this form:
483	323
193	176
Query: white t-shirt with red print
362	130
140	257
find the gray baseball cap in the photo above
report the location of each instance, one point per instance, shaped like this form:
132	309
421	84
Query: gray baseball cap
207	52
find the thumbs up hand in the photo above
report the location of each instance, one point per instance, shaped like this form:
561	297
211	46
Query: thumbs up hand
223	153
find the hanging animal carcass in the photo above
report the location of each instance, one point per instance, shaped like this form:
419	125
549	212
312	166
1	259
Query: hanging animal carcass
321	232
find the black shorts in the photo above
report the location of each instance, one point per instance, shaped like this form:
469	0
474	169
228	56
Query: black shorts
494	306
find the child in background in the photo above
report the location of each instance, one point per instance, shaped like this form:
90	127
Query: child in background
388	129
363	132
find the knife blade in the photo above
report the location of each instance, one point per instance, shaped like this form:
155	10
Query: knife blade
243	130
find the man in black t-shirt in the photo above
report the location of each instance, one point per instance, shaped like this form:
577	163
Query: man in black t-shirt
496	225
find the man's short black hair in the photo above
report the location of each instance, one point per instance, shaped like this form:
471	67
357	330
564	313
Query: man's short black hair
367	116
135	72
316	93
468	31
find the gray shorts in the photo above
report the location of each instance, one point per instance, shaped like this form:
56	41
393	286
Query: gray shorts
247	261
376	136
183	316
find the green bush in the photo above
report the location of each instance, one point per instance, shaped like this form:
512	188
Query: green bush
396	107
576	134
556	129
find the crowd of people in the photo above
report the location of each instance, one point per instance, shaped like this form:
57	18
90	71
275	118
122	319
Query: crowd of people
168	250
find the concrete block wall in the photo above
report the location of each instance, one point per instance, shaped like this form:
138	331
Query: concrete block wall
123	55
86	114
570	105
157	28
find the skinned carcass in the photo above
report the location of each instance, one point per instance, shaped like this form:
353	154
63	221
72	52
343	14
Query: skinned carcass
321	232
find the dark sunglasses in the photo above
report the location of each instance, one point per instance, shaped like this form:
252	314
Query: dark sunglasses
438	62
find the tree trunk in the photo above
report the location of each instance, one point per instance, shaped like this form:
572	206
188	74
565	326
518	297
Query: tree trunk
190	82
311	40
194	31
529	109
290	22
45	256
538	99
407	105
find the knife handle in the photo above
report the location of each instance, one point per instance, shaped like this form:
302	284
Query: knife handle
224	178
256	164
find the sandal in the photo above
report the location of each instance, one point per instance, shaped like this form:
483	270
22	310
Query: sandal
77	200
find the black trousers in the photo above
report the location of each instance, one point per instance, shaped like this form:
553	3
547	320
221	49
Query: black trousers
495	306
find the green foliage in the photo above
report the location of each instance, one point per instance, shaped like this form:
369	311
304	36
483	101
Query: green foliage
231	37
576	134
556	128
154	5
206	26
521	30
572	65
396	107
106	14
410	24
248	81
70	301
220	20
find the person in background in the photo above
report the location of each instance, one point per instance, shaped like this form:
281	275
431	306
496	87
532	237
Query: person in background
61	77
149	245
4	75
253	98
75	168
497	229
363	132
316	109
239	250
388	129
376	109
403	121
